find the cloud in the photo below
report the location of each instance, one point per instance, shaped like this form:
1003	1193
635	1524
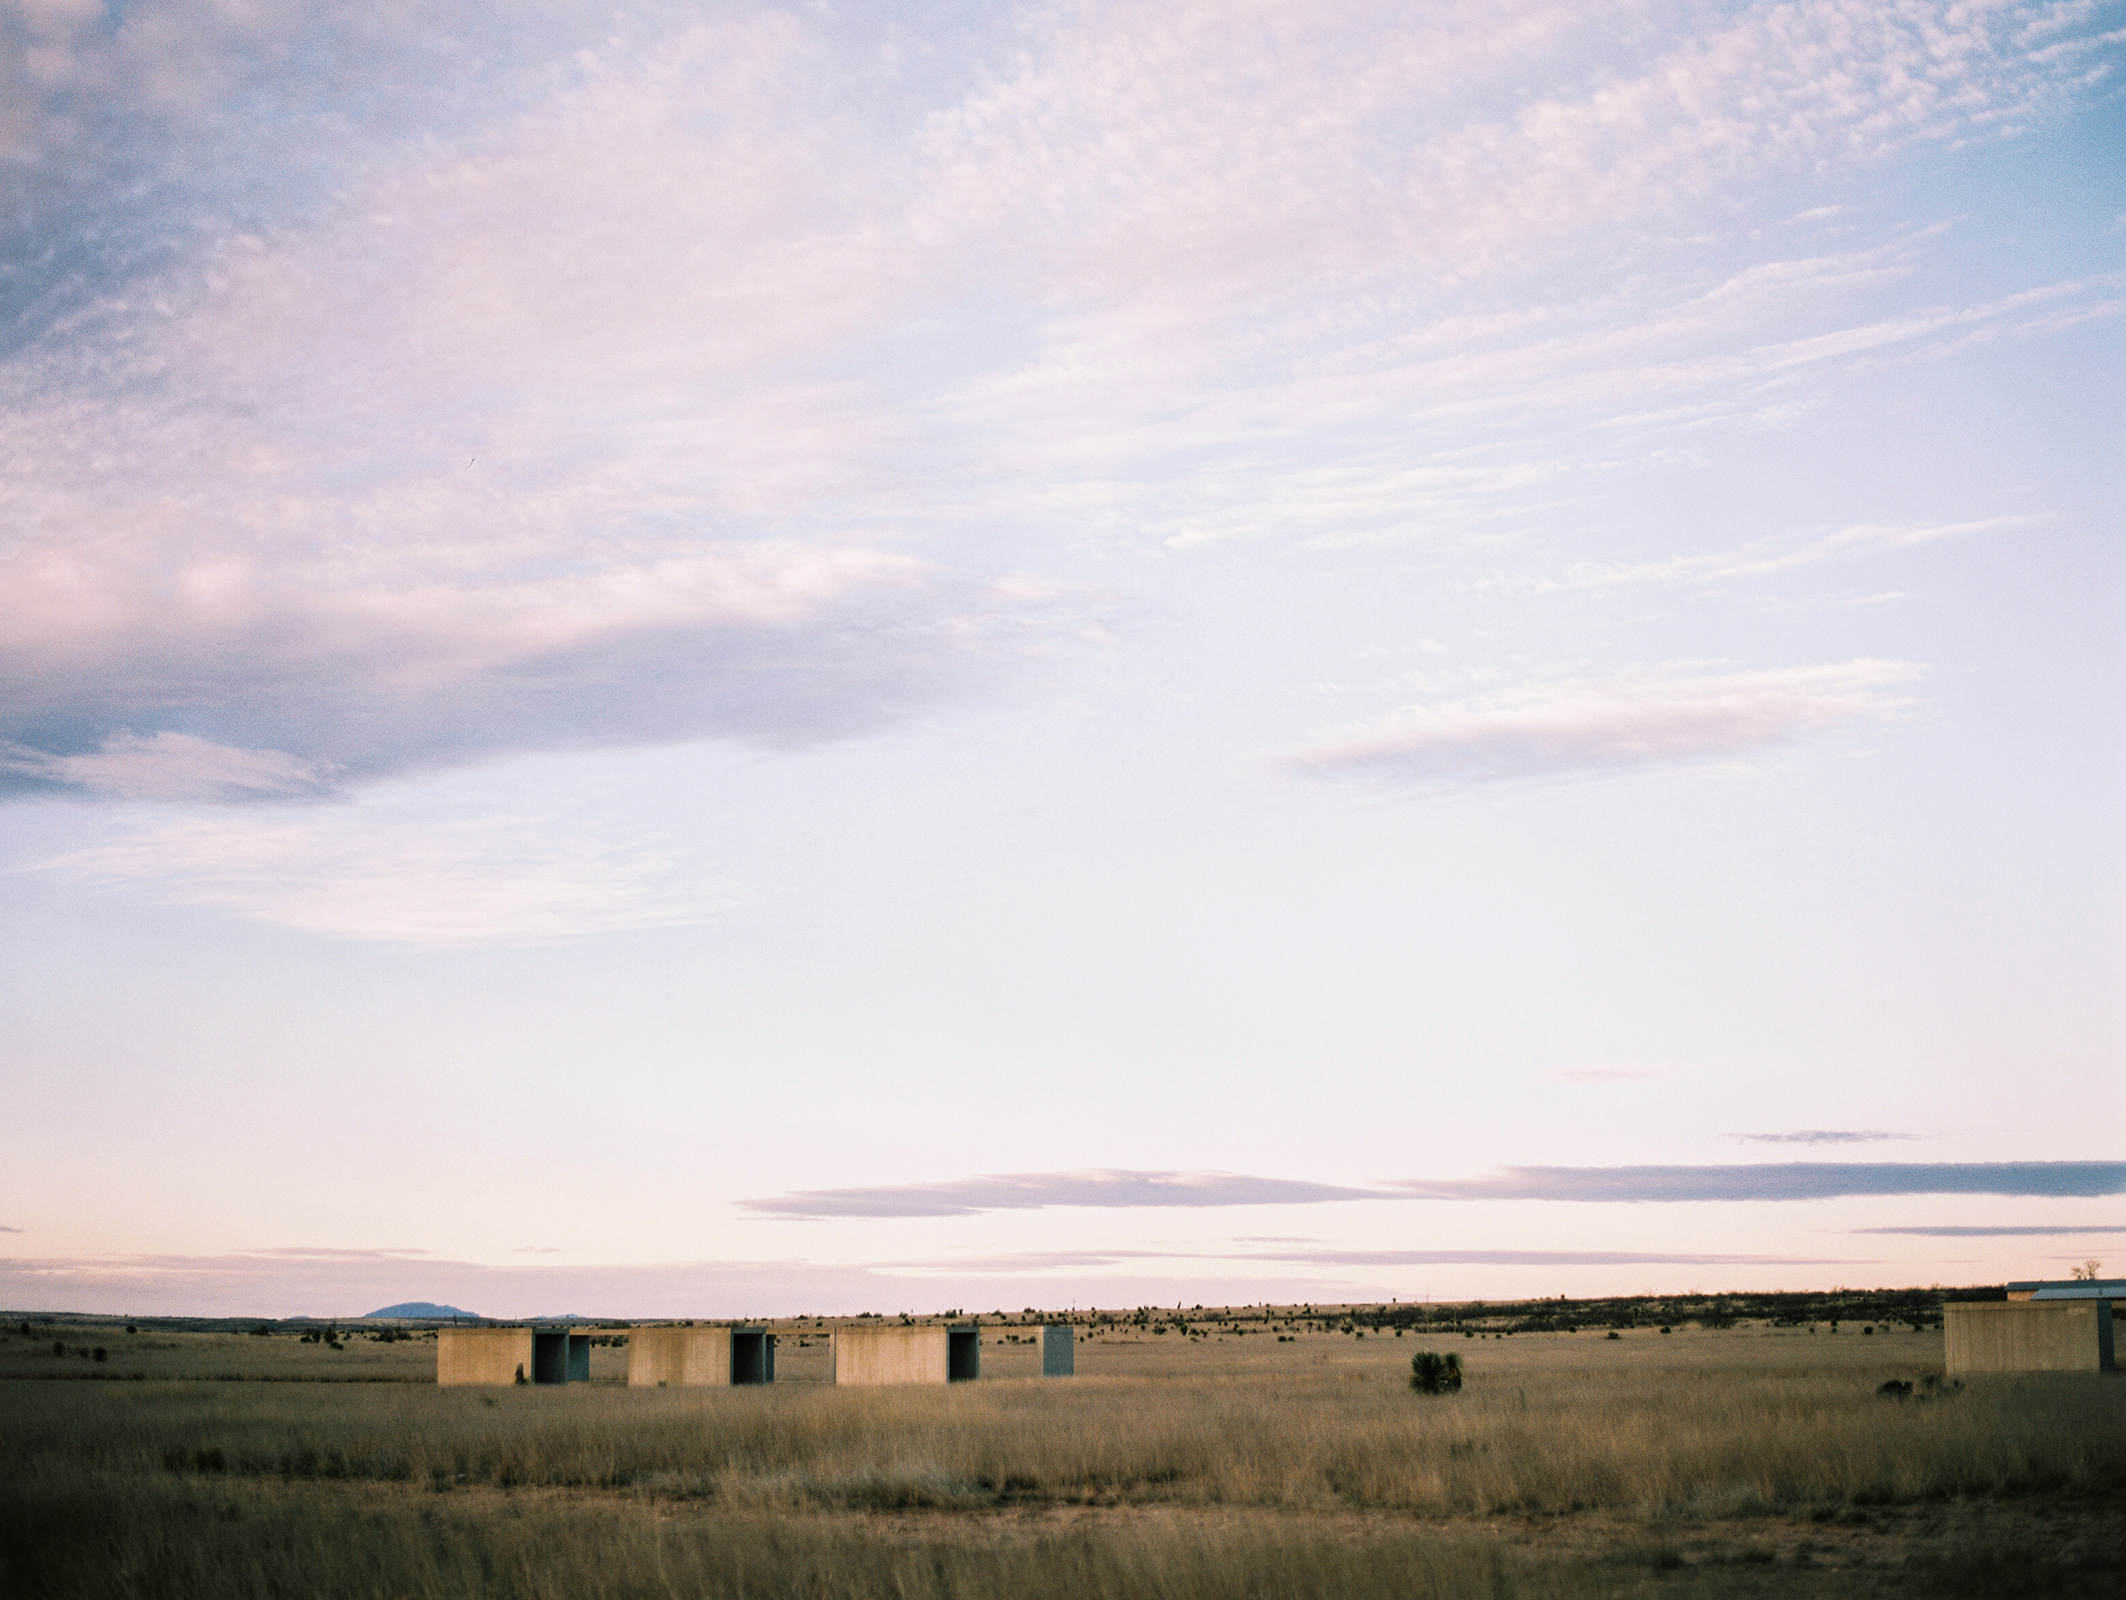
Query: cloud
1951	1231
323	1283
5	1229
394	874
427	475
1633	720
1543	1258
1825	1136
1034	1261
1784	1180
390	392
267	688
169	767
1038	1261
1765	557
1757	1181
1034	1191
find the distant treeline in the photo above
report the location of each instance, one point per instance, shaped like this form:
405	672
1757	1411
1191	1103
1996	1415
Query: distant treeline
1918	1308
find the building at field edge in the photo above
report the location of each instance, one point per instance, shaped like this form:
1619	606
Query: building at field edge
512	1355
690	1357
890	1353
2065	1335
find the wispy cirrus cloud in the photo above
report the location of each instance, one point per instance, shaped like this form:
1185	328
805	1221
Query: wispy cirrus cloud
494	380
1785	1180
1825	1136
169	767
1766	557
348	1283
1036	1191
369	871
300	1281
1781	1180
1979	1231
1627	721
1041	1261
1551	1258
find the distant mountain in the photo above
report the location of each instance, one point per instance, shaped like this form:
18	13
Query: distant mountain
566	1316
422	1308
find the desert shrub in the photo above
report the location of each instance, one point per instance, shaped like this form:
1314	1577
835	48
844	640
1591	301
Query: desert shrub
1433	1373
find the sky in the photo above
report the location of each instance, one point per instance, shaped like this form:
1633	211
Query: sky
716	660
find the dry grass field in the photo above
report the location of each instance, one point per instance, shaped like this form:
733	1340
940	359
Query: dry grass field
1747	1461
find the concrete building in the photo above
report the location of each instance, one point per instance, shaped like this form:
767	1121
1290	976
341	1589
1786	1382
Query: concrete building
2069	1289
2027	1336
682	1358
889	1353
1059	1355
512	1355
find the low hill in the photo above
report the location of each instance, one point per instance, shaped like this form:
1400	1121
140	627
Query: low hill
422	1308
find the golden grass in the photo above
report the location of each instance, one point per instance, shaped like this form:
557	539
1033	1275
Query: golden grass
1207	1470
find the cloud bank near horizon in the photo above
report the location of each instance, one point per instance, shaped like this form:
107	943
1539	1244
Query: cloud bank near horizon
1779	1180
345	1283
1037	1191
1785	1180
1958	1231
1038	1261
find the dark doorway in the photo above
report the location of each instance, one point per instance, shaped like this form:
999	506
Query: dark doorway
963	1354
752	1355
550	1357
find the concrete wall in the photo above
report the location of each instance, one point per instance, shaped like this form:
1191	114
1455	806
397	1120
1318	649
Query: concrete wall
893	1354
2027	1336
677	1358
484	1355
512	1355
1059	1354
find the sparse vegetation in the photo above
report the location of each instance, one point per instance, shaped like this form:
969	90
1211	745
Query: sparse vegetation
1433	1373
1751	1462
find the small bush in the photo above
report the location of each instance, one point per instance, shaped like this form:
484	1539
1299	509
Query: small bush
1433	1373
1895	1389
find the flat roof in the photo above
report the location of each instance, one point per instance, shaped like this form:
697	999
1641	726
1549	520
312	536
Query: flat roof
2072	1288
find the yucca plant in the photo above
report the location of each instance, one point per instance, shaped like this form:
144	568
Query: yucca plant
1433	1373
